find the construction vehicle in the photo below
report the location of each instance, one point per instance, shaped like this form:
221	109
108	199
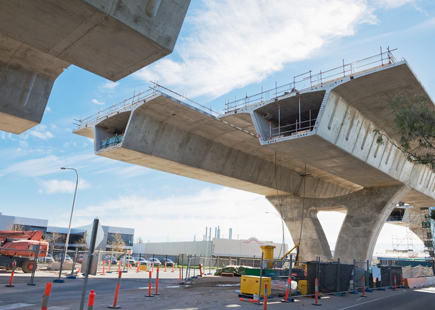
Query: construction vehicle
20	246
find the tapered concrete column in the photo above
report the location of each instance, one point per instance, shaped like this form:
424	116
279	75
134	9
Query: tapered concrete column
313	242
367	211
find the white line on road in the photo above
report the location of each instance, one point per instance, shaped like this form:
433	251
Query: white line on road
370	301
15	306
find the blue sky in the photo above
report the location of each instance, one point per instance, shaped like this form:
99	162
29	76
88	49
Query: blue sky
226	48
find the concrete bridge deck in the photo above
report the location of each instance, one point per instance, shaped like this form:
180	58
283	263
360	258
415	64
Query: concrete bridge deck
267	148
39	39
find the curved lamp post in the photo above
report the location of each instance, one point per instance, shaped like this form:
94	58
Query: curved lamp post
282	223
72	210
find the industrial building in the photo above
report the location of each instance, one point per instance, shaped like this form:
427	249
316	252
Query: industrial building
8	222
216	247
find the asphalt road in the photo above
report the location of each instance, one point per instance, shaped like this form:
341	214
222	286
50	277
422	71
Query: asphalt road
211	293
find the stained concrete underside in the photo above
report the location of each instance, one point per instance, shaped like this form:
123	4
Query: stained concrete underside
39	39
339	153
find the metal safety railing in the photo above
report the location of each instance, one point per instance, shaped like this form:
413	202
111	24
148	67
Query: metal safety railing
318	79
290	129
126	104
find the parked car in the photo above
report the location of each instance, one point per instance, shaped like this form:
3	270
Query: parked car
79	258
168	262
142	261
155	261
110	260
129	260
47	259
58	257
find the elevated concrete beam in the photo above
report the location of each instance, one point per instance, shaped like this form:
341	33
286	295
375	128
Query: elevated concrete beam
200	147
113	39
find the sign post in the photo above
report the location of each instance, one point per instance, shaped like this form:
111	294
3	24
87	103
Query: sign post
92	238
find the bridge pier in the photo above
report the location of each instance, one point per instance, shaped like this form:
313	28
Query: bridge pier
366	212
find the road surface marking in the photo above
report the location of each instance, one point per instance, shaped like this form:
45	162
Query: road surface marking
362	303
15	306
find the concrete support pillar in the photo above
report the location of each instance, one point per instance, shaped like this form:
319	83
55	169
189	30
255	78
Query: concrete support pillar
367	211
313	242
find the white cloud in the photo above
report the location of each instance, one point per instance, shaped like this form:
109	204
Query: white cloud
181	217
108	86
40	132
61	186
23	144
236	43
45	165
97	102
389	4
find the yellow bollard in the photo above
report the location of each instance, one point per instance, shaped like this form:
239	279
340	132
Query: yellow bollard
268	254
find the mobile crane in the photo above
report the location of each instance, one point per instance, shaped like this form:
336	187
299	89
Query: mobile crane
18	246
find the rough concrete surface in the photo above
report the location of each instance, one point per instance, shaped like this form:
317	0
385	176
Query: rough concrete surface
39	39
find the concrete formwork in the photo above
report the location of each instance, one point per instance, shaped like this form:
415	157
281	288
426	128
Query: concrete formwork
335	163
39	39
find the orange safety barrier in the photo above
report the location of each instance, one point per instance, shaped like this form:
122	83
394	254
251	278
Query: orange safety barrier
265	297
91	300
46	296
415	282
117	292
316	293
11	280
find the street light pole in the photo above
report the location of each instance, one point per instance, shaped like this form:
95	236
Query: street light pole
72	210
282	224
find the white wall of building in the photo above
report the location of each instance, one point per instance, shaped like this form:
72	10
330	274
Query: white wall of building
217	247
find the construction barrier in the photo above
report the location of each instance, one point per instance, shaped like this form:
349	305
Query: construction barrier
265	297
364	287
149	285
316	294
11	280
157	282
46	296
91	300
287	292
415	282
117	292
430	280
248	299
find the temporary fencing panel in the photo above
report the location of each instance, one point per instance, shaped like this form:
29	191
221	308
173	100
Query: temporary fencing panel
329	273
388	273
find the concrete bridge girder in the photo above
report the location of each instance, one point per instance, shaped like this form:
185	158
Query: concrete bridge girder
39	39
350	170
366	212
215	152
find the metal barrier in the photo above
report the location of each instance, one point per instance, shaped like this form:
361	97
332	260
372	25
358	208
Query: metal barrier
128	103
350	69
